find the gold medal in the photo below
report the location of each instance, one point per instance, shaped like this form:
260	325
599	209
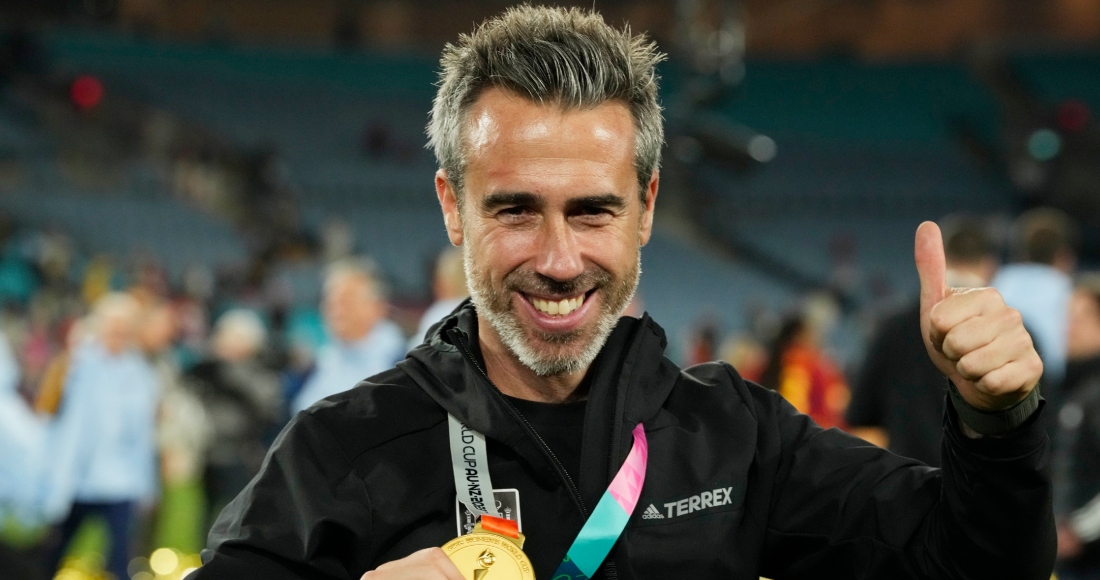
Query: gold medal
487	555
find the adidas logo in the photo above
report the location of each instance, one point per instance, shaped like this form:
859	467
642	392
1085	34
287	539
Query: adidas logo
651	513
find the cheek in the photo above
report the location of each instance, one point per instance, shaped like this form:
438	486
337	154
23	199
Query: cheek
614	251
501	251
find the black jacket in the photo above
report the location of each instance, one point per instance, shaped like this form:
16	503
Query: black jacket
364	478
1077	452
900	390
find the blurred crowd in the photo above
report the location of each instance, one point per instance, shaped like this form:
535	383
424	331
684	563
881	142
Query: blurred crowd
116	384
895	396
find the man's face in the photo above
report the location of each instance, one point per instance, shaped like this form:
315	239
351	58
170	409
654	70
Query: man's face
551	225
350	307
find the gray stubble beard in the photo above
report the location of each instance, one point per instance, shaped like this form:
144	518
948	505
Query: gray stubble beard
497	309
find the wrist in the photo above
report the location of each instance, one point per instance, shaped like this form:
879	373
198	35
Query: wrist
976	422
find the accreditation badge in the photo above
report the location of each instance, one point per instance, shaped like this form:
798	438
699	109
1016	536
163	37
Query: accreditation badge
492	551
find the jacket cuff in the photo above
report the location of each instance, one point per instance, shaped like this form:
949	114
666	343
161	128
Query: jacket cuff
993	423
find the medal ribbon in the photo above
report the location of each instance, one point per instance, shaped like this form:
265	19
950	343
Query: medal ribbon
608	520
599	533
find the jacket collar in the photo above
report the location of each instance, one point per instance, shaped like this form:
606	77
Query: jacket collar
628	383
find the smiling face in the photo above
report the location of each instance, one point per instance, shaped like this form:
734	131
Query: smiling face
551	224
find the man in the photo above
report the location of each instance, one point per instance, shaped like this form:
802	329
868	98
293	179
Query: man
1039	285
101	446
364	341
897	401
1077	445
242	403
548	133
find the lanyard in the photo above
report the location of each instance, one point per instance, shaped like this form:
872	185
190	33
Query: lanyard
599	533
470	463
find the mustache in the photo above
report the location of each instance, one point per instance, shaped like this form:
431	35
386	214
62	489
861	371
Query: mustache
530	282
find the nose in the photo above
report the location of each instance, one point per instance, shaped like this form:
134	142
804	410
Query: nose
559	255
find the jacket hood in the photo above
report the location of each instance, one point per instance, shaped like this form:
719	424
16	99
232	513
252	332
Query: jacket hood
627	384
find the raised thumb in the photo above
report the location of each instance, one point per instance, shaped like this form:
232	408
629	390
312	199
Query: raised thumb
931	266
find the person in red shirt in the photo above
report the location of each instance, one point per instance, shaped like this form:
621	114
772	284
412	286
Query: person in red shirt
804	375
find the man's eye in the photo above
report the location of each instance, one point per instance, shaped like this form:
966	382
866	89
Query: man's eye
514	214
593	214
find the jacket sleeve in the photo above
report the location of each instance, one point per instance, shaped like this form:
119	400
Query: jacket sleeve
845	509
299	518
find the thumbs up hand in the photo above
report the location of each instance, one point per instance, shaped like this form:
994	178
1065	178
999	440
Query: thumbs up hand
971	335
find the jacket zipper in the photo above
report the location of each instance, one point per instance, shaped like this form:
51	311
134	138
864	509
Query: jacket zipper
570	485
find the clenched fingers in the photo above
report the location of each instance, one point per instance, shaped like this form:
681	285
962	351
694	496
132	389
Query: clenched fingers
960	306
978	331
1008	347
1010	378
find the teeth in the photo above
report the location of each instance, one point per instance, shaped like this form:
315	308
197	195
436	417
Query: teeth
559	308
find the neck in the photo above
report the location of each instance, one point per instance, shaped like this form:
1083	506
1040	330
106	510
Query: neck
514	379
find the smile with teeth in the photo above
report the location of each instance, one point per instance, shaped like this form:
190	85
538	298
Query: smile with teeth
557	308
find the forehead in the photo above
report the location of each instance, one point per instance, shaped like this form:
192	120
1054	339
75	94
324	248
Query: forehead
515	142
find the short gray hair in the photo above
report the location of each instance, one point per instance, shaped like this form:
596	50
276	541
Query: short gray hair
567	57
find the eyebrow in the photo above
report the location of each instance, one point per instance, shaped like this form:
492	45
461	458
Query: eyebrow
495	201
607	200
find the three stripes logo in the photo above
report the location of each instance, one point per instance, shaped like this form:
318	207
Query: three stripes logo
651	513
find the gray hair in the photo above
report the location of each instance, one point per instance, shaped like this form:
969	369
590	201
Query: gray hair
567	57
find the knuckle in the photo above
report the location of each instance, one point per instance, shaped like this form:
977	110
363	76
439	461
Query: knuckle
993	385
938	317
966	367
1036	364
1014	318
991	295
951	346
1024	343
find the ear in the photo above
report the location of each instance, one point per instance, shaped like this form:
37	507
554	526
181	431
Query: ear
448	200
650	205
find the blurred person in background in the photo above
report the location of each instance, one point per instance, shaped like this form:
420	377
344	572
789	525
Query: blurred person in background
241	402
102	442
449	289
157	334
182	430
48	395
22	434
1039	285
1077	440
898	397
363	342
799	371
